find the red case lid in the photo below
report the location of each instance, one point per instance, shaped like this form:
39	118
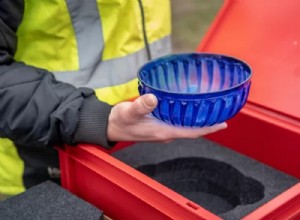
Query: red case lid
266	35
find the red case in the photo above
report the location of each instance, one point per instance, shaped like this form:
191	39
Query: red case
124	193
265	35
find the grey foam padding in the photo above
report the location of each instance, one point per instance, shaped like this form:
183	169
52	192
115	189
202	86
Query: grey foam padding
217	186
221	180
48	201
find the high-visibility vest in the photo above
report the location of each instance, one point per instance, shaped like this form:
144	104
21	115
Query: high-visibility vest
98	44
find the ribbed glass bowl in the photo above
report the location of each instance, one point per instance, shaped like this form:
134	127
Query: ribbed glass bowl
196	89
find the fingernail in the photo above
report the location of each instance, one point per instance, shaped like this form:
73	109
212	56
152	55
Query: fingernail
149	101
224	125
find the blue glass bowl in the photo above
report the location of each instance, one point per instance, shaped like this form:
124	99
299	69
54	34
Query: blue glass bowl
196	89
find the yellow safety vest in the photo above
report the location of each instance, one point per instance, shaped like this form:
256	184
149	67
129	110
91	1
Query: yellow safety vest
98	44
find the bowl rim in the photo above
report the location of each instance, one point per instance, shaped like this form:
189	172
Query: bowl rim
216	93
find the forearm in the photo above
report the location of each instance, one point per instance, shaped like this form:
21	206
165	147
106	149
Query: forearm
35	108
38	110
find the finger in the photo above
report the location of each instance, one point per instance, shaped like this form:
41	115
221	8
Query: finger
143	106
198	132
215	128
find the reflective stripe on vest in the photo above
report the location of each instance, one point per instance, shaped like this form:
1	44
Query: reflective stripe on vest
89	37
101	78
101	74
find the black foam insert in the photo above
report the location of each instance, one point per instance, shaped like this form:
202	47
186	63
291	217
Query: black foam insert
223	181
48	201
215	185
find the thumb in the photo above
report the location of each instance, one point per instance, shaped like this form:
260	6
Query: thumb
143	105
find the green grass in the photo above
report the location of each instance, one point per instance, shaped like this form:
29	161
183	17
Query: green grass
190	21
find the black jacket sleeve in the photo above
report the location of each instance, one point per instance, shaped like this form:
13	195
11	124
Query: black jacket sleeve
36	109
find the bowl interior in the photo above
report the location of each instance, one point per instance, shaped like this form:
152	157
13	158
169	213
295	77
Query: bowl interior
194	73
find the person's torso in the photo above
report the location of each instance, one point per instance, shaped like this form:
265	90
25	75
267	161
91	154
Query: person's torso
98	44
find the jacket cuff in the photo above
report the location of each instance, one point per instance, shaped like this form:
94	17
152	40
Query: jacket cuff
93	122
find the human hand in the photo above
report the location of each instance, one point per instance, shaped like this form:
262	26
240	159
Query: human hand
130	121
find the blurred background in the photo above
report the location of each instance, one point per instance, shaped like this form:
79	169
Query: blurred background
190	21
